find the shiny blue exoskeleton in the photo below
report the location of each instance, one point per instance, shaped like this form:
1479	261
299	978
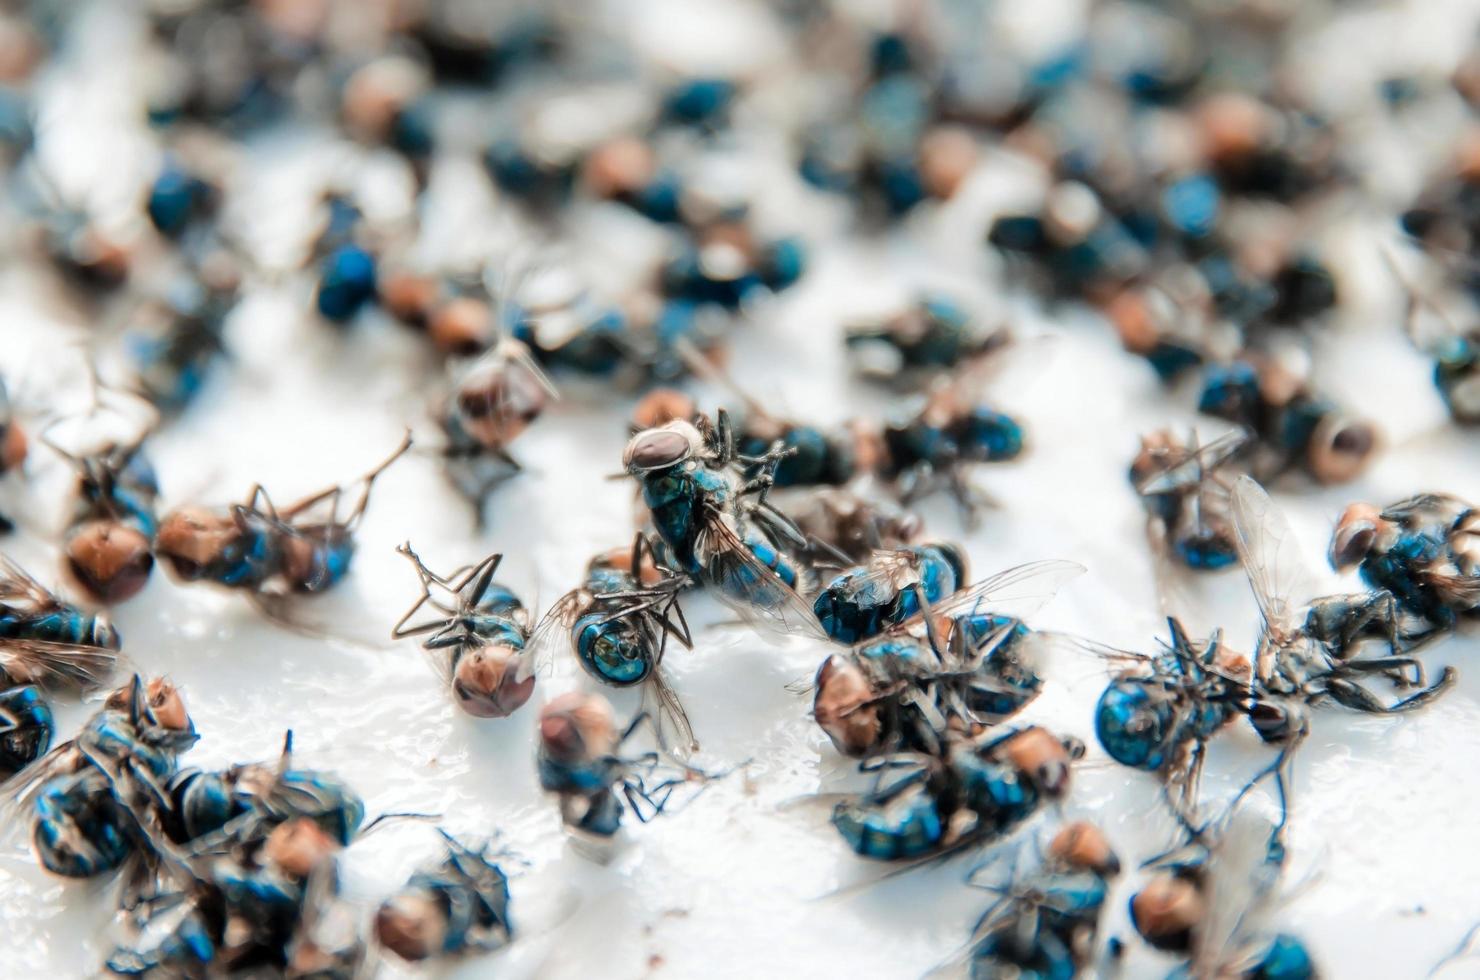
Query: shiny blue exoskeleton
683	497
866	600
1185	491
56	622
86	800
174	352
1287	959
900	823
598	347
177	198
919	797
477	638
171	938
202	803
244	803
80	828
1041	926
245	548
934	333
470	895
590	781
776	266
1420	550
1238	865
619	622
581	760
347	282
48	642
1457	376
612	643
26	728
816	458
259	543
1006	678
1152	720
119	485
1303	430
977	435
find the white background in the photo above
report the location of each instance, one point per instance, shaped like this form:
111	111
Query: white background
1384	849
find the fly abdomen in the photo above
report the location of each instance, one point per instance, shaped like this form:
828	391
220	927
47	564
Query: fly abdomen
1138	724
614	651
26	728
907	825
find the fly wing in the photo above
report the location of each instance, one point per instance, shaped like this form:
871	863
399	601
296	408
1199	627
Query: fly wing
1240	892
1425	508
886	572
675	734
1197	464
57	666
17	587
747	585
551	636
1270	554
1019	591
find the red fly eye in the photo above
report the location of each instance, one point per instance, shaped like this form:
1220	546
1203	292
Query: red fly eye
1340	449
656	449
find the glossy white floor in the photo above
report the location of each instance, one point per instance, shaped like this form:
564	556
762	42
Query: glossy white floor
1384	857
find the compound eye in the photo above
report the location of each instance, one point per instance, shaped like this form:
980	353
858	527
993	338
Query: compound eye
1271	722
656	449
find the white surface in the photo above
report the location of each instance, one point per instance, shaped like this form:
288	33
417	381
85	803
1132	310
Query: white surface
729	886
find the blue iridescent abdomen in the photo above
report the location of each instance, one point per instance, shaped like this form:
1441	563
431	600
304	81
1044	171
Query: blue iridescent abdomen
1393	570
905	826
1287	959
330	803
611	650
26	728
1138	724
80	830
585	778
65	625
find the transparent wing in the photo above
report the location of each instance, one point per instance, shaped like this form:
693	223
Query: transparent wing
1019	591
675	734
17	586
57	666
1239	891
1270	555
1197	464
886	572
1424	508
551	635
744	583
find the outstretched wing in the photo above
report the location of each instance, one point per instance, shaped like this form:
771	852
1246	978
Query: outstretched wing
1197	464
1241	884
749	586
675	734
57	666
887	572
1270	555
1019	591
551	636
18	587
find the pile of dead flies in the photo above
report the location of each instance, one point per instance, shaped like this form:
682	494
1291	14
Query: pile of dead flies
1184	185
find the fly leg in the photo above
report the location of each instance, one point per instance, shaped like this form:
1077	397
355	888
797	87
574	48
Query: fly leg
1352	695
